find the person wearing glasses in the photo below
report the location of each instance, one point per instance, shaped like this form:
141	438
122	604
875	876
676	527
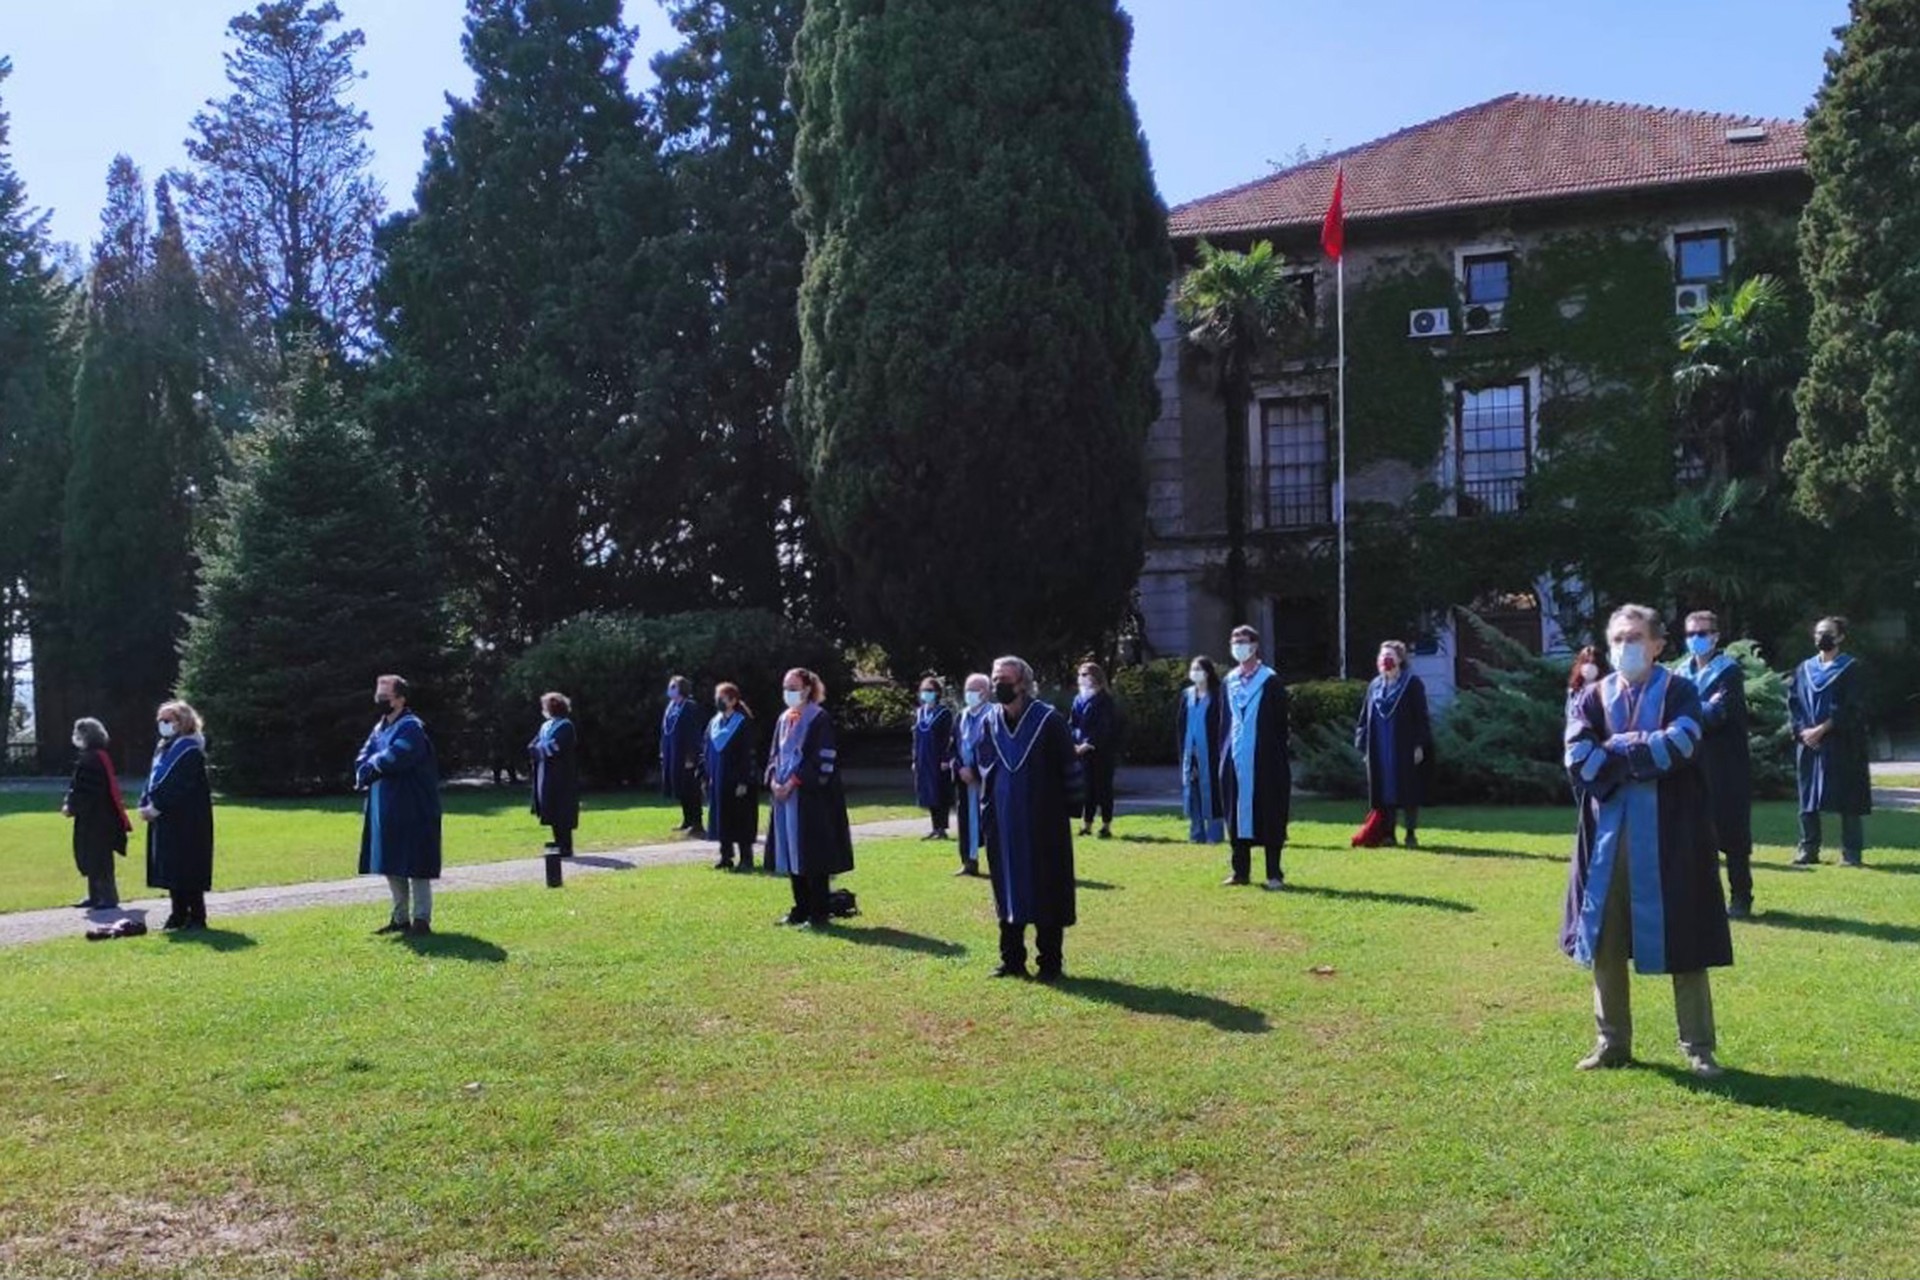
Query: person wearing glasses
1724	754
1827	705
177	807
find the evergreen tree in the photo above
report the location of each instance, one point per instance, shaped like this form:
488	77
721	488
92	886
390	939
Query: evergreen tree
1858	238
514	314
986	257
281	202
35	375
320	580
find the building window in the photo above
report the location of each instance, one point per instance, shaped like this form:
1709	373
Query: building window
1294	433
1485	278
1491	438
1700	257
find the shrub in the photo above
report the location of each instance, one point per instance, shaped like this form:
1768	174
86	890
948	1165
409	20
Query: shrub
1333	703
1769	731
615	668
1147	696
1326	763
879	708
1505	741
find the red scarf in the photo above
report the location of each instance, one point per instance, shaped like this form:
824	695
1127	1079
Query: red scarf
113	789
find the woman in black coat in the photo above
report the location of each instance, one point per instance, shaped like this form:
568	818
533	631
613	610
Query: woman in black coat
554	764
100	823
178	810
733	794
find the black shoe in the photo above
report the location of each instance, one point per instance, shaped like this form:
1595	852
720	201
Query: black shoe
725	864
1855	863
1806	858
791	918
86	904
1389	843
1010	971
819	924
1740	909
551	846
1087	830
1106	833
1235	882
190	924
173	922
391	926
1048	975
1412	841
969	869
419	929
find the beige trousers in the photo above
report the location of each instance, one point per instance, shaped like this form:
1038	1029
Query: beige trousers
1612	991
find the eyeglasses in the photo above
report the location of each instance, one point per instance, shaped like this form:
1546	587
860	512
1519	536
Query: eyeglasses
1699	635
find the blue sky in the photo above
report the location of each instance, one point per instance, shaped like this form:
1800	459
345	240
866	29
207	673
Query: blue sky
1224	86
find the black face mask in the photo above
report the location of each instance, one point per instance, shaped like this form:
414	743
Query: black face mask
720	705
384	701
1005	691
1826	644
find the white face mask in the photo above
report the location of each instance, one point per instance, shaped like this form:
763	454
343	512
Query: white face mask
794	697
1086	688
167	728
1589	672
974	697
1630	659
1198	677
79	743
1242	651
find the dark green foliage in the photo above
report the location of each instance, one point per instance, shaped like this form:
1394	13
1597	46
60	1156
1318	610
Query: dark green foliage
1505	740
1769	728
1321	714
1148	698
1859	236
615	668
511	311
1396	405
986	259
141	454
879	708
320	581
1331	703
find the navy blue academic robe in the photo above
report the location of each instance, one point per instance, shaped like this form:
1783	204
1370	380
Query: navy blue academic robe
808	833
400	831
1633	760
1095	721
555	757
1032	780
733	791
933	757
682	744
969	731
1725	756
1393	722
180	840
1834	776
1200	731
1256	771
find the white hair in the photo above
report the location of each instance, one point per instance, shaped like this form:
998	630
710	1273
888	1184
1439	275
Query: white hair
1656	629
1025	682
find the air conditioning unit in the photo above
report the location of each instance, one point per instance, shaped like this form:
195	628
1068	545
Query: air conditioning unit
1484	317
1690	299
1429	322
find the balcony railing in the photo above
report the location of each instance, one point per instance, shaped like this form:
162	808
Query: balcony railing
1497	496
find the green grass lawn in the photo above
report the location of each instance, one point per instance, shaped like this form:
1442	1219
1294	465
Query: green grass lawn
1904	781
639	1076
261	842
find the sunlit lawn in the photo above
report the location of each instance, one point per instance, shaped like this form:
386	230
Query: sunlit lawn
286	842
1369	1074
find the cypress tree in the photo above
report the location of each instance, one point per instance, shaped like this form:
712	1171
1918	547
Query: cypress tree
986	256
319	581
1858	404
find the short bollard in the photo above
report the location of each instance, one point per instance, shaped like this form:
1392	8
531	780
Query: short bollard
553	871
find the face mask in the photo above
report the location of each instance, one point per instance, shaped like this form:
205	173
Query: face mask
1241	652
1826	643
167	728
1630	659
1388	666
79	743
720	705
1005	691
973	698
1700	646
1086	688
1589	672
383	700
1198	678
928	697
794	697
673	694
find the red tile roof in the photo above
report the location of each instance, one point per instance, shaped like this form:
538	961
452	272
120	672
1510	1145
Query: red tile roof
1513	149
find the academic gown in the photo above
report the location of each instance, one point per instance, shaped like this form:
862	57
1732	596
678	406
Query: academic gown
1256	772
555	757
180	840
1095	721
1725	756
1644	799
100	824
969	730
808	833
1393	722
933	757
1834	776
1033	784
681	747
400	831
1200	727
731	818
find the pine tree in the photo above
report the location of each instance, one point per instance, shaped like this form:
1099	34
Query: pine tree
1859	236
320	581
514	314
986	257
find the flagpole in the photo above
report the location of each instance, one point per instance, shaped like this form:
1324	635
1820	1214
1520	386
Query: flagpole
1340	521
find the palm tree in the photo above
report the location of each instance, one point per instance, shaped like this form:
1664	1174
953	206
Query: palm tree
1236	307
1736	379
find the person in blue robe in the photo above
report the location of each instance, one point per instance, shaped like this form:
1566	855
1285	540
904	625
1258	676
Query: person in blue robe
933	756
177	807
733	797
1199	731
1394	734
1256	770
808	835
682	746
1827	704
1644	883
1585	671
969	729
1094	721
1032	777
1725	756
400	829
554	760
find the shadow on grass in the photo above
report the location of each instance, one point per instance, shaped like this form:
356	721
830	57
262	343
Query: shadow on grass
1389	899
898	939
1168	1002
1100	885
600	860
454	946
1138	839
1468	851
212	939
1891	1115
1837	924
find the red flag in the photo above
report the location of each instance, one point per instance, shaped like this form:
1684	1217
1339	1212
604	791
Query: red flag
1333	231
